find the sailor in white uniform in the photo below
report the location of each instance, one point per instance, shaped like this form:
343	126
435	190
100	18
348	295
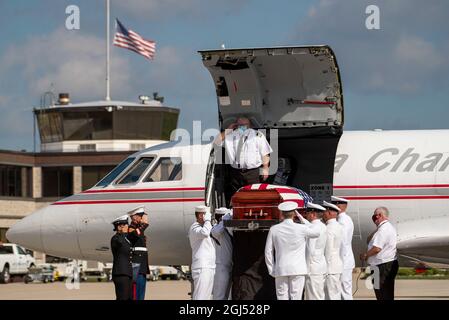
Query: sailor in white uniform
203	254
316	261
346	247
223	251
334	236
285	253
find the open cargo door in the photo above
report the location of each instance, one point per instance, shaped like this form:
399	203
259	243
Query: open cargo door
282	87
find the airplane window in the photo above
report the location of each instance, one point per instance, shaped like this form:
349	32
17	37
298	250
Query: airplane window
167	169
114	173
136	171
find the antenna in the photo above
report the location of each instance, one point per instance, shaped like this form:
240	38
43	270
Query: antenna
108	97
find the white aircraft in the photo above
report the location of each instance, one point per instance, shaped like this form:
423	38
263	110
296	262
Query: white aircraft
295	94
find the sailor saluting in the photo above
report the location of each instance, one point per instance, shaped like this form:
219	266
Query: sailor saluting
121	251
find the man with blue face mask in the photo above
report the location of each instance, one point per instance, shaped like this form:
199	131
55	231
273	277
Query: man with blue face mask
247	152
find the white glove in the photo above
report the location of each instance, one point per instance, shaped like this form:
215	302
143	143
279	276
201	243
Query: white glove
227	216
207	216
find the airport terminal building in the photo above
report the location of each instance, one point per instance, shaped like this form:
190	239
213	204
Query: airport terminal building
80	144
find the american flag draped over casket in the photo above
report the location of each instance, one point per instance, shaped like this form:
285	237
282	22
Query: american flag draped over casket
256	206
287	193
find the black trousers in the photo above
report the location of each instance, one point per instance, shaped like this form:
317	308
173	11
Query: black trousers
241	178
123	287
387	274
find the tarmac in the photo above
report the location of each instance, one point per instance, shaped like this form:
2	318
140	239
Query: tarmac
179	290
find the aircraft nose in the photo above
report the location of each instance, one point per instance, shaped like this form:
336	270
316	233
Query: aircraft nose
27	232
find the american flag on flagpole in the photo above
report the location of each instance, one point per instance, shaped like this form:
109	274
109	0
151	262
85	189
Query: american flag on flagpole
128	39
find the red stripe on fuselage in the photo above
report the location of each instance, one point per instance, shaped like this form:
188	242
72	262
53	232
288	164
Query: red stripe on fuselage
145	190
128	201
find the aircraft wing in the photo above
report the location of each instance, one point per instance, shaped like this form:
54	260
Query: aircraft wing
424	240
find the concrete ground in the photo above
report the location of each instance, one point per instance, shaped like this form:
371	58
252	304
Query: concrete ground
178	290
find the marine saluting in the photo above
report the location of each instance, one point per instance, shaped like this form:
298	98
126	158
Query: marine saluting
136	234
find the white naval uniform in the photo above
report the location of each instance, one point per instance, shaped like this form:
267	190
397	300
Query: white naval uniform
334	236
223	262
254	146
203	260
316	264
285	256
346	255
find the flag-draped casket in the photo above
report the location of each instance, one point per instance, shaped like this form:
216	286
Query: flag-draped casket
255	206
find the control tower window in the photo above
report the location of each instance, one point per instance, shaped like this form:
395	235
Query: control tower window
136	171
115	173
50	127
92	125
167	169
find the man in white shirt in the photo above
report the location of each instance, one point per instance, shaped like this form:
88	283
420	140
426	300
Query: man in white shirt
382	255
316	261
247	150
223	252
334	236
203	254
285	253
346	247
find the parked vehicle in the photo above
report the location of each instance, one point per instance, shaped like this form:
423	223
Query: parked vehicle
43	273
93	270
14	261
173	273
154	273
64	268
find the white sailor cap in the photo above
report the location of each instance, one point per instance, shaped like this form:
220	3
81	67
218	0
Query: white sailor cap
288	206
331	206
221	210
121	220
139	210
315	207
200	209
337	200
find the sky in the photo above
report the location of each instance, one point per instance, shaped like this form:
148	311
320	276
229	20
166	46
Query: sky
394	78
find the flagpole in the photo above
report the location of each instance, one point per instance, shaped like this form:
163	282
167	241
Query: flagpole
108	57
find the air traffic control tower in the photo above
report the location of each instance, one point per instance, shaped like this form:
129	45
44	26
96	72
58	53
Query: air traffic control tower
104	125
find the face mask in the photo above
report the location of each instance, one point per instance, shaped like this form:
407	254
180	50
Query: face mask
242	129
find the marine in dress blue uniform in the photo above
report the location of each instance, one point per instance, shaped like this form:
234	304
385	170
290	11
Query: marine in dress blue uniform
140	252
122	254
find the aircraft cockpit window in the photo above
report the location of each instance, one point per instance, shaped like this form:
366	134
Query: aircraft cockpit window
167	169
115	173
136	171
